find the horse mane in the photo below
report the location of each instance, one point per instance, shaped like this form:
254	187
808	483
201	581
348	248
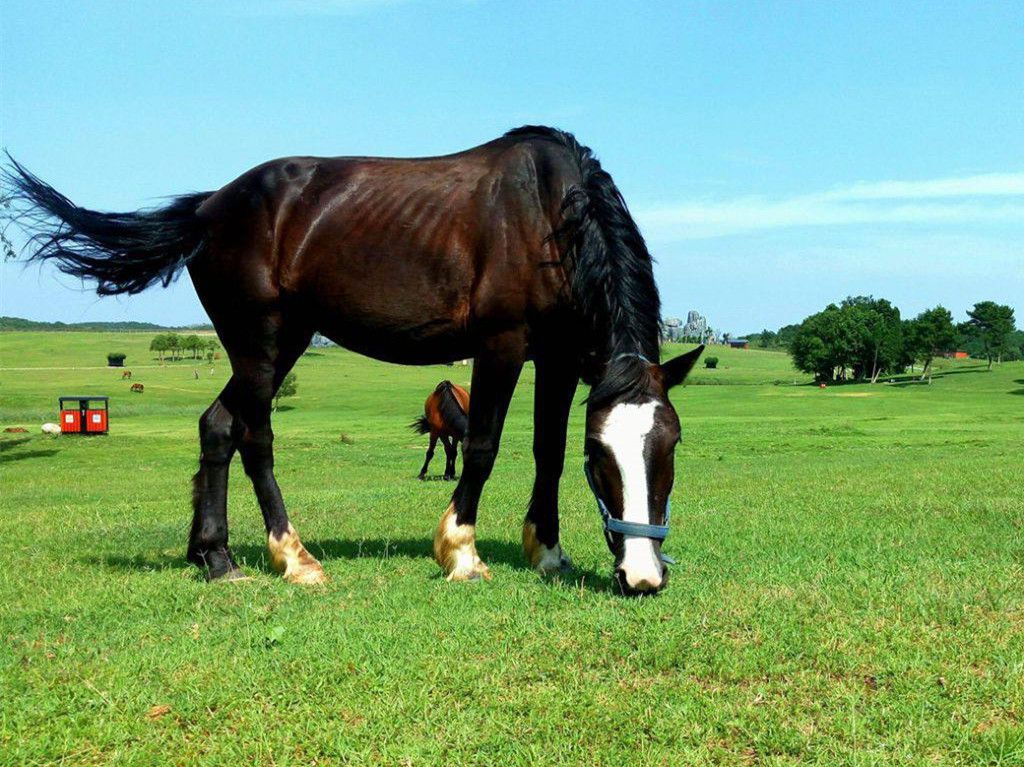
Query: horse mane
611	274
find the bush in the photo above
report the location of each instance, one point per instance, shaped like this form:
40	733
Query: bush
711	362
116	359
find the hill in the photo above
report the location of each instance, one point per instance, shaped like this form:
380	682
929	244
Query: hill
18	323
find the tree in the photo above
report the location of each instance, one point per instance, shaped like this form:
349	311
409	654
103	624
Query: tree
288	387
990	325
766	339
930	333
860	338
159	345
822	345
192	343
878	331
210	347
174	345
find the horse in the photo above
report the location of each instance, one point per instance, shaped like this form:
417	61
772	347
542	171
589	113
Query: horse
138	388
444	417
522	248
126	374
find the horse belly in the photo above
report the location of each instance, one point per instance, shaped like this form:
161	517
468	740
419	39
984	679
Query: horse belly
387	320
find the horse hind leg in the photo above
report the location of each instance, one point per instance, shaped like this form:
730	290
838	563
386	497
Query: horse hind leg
287	554
208	539
430	456
450	446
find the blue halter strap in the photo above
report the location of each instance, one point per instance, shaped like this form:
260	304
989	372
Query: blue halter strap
622	527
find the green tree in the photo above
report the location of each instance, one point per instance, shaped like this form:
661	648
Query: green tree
210	347
990	324
192	343
860	338
159	345
878	336
288	387
823	345
931	333
766	339
174	345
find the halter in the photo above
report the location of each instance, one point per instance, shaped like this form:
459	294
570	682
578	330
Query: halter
621	526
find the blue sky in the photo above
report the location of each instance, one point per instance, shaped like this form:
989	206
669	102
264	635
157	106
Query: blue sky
777	156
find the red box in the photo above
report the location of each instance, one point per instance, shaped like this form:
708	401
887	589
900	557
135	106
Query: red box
70	421
96	421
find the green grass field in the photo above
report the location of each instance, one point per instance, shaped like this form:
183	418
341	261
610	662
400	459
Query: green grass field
849	586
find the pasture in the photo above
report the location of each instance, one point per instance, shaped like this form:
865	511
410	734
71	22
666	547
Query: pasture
849	586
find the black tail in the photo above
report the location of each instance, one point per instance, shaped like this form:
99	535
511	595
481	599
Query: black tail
421	425
451	410
122	252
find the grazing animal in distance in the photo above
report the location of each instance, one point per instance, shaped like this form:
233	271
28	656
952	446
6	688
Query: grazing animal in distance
519	249
138	388
126	374
445	418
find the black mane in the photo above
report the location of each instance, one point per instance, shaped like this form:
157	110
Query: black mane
611	272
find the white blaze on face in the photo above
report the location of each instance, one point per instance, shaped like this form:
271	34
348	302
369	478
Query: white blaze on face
624	434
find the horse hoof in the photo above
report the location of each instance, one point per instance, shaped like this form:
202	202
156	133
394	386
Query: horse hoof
310	575
455	550
478	572
231	576
545	560
289	557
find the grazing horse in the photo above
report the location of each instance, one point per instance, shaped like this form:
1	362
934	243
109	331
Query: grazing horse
138	388
444	417
126	374
521	248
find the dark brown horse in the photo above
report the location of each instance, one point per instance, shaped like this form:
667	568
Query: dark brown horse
518	249
444	418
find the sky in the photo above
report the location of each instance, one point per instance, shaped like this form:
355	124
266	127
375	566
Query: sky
777	156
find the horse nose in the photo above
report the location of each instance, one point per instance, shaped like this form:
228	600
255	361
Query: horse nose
641	583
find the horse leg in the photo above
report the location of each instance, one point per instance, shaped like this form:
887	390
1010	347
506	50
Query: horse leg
208	539
450	447
430	455
495	373
555	387
261	378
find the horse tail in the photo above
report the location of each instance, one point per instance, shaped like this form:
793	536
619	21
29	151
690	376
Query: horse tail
121	252
451	411
420	425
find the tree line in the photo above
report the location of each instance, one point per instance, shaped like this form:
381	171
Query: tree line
864	337
175	346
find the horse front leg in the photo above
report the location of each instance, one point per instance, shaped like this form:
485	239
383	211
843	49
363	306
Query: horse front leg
495	373
557	378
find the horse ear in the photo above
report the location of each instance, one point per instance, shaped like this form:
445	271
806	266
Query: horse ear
675	371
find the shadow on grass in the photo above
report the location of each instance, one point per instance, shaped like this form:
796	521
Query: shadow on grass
254	558
9	453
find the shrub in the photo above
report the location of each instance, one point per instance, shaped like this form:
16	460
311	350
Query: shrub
116	359
711	362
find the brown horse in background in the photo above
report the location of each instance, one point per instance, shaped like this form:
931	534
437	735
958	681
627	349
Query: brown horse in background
521	248
444	418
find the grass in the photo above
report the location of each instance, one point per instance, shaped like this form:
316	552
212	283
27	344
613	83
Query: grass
848	589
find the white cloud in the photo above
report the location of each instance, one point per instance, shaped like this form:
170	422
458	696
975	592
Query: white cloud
996	198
